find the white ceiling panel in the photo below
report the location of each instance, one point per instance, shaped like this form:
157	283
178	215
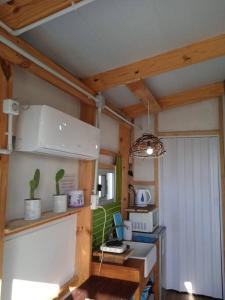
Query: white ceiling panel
106	34
187	78
121	96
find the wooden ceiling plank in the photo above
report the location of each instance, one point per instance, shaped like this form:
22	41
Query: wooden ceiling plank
180	99
165	62
144	95
19	13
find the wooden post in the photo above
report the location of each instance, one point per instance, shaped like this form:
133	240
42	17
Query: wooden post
84	220
5	92
156	165
124	146
156	198
222	164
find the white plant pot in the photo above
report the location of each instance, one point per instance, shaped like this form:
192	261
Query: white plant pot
32	209
60	203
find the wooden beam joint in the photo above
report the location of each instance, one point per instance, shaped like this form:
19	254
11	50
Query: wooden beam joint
6	68
143	93
180	99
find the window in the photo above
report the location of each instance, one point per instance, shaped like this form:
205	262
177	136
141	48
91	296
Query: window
106	186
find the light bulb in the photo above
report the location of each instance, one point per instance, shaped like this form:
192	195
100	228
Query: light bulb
149	150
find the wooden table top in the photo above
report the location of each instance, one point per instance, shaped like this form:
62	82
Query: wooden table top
103	288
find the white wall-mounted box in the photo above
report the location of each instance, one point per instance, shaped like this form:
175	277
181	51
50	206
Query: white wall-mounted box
46	130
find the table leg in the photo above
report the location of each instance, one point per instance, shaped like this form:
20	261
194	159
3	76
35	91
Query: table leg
137	295
156	282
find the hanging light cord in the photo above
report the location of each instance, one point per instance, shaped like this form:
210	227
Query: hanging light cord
148	116
103	238
148	145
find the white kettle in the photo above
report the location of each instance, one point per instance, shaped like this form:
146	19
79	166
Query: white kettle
143	197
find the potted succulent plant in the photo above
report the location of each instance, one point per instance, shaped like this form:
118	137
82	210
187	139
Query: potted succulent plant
32	206
60	200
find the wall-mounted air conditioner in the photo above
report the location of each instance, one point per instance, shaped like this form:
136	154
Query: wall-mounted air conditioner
45	130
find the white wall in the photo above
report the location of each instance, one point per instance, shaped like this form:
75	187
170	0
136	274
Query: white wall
36	262
29	89
47	253
198	116
109	137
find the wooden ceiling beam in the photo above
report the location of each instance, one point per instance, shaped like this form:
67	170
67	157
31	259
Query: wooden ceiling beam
17	59
165	62
144	95
19	13
135	110
116	109
192	96
183	98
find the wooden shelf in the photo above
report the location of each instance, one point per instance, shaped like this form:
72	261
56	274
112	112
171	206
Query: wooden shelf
138	209
106	166
142	182
98	287
18	225
132	270
108	153
118	258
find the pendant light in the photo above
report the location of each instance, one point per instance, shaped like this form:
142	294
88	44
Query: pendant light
148	145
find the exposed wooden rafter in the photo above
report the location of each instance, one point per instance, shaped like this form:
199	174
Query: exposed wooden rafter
165	62
17	59
135	110
180	99
20	13
143	93
192	96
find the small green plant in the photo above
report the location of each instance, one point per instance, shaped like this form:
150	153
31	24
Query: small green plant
59	175
34	183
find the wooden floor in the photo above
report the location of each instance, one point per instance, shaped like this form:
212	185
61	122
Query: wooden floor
171	295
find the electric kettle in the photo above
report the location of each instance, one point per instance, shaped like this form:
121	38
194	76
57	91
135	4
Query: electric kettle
143	197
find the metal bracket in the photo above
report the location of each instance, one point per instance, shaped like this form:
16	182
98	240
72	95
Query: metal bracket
101	101
10	108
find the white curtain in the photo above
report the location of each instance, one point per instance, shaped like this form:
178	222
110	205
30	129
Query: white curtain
190	209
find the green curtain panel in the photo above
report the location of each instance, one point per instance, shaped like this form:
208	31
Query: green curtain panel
98	214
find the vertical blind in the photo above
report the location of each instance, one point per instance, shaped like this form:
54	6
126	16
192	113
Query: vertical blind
190	209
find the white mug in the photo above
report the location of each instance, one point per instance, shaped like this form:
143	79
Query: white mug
127	230
143	197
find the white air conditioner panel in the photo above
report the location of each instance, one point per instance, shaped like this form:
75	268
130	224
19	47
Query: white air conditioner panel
45	130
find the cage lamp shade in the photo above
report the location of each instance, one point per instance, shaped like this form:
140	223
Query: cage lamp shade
147	145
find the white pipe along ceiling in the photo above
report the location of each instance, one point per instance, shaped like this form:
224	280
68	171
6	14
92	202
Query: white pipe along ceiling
27	55
74	6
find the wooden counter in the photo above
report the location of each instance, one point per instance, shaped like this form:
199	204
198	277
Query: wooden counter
103	288
131	270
